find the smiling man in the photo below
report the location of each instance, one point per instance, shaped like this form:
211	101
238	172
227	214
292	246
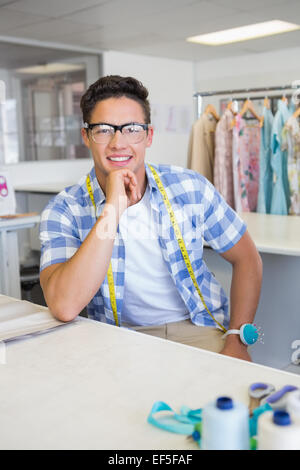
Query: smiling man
127	240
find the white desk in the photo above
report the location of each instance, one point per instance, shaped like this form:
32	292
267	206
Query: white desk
9	253
88	385
275	234
277	238
52	187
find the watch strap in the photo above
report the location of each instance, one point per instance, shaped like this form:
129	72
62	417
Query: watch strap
231	332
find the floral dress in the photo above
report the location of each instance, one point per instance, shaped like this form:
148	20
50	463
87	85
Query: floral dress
291	143
223	177
245	160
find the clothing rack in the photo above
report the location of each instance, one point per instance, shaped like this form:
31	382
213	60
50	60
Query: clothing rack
199	95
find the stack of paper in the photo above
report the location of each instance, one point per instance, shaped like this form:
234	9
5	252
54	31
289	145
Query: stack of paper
19	317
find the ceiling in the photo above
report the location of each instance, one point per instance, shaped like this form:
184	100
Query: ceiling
148	27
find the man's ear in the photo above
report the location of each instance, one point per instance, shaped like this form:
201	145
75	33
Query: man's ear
149	136
85	137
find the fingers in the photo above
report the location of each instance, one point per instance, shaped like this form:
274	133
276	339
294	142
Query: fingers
124	182
129	176
131	186
134	193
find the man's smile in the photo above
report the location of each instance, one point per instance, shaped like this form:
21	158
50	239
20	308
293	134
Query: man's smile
119	160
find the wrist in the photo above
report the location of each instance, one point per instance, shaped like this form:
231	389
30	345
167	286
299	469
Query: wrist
116	206
247	334
234	340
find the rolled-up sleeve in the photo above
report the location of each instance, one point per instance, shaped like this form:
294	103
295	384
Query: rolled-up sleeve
58	234
223	227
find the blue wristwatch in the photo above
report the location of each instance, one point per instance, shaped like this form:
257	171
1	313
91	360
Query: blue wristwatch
248	333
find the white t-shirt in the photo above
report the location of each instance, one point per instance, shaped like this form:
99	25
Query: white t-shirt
150	295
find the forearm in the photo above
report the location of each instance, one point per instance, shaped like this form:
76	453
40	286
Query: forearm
244	299
245	291
74	283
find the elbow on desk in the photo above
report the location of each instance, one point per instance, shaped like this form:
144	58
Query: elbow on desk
63	312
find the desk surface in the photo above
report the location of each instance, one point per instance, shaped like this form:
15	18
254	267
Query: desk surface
18	223
52	187
279	234
88	385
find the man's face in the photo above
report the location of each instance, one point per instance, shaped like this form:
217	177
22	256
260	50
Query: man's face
118	111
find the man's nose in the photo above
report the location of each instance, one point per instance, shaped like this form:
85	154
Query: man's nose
118	140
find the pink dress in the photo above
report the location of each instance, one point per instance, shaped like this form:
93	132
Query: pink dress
245	160
223	176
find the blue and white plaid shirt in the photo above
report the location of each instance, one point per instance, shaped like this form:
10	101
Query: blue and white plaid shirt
201	213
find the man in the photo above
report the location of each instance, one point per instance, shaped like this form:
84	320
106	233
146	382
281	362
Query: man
95	254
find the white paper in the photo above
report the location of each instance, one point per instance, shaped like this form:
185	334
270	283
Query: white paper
19	317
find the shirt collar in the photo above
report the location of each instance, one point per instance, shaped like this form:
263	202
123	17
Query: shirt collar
151	181
99	196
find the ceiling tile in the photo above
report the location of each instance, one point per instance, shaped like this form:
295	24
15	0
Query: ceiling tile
290	12
10	20
53	8
180	51
6	2
187	23
82	38
271	43
133	41
253	4
117	12
50	30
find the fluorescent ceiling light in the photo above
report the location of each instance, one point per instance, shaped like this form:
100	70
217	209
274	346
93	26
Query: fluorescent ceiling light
244	33
51	68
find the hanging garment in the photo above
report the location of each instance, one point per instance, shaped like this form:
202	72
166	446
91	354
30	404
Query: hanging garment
265	169
280	201
201	147
291	143
245	160
223	176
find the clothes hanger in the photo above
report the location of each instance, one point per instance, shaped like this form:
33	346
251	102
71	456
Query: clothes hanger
267	104
296	113
233	106
248	106
230	105
210	109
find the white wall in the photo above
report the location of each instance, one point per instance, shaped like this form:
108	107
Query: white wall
49	172
170	83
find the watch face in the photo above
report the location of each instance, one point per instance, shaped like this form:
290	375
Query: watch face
249	334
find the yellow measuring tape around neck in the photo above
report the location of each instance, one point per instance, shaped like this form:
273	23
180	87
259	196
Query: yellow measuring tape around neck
181	242
110	277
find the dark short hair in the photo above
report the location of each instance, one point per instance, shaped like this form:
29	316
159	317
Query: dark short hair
114	86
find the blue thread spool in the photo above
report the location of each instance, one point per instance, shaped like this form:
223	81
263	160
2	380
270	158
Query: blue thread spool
225	425
278	431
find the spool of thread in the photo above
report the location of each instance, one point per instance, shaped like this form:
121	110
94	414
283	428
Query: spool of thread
278	431
293	404
225	425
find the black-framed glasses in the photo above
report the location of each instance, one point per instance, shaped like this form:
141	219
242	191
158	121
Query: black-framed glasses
102	132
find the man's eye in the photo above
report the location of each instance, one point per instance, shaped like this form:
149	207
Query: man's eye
132	129
103	130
